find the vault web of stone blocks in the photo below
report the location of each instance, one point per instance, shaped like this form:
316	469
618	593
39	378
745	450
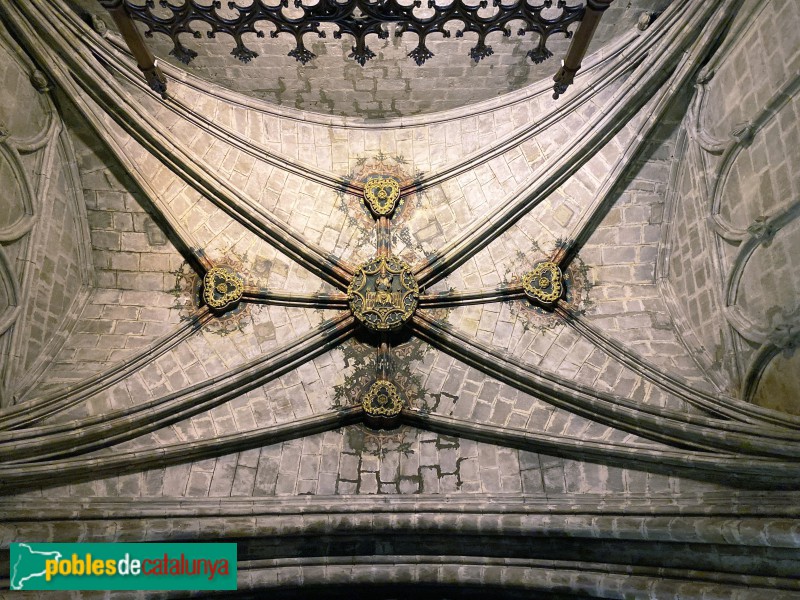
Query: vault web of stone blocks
626	384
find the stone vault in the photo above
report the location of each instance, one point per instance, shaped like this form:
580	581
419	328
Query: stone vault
497	345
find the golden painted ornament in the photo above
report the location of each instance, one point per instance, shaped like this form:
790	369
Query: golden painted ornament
382	400
222	288
383	293
381	195
544	284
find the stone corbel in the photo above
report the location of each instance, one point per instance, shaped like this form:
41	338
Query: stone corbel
786	338
743	133
762	230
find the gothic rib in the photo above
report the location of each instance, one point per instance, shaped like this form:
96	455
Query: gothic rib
512	140
750	472
716	404
84	435
17	476
664	286
655	423
17	286
186	243
606	194
36	409
467	297
720	404
750	245
685	463
51	147
740	139
130	115
330	180
43	137
183	240
633	56
257	151
278	298
654	71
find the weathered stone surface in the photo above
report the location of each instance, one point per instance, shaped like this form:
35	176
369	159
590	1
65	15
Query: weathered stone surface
639	357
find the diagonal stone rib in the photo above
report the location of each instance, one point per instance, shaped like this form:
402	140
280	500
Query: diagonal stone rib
275	298
722	405
600	71
729	468
84	435
36	409
656	423
18	476
464	298
703	23
81	78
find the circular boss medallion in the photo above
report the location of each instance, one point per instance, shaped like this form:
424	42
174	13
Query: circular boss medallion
544	283
382	400
383	293
222	288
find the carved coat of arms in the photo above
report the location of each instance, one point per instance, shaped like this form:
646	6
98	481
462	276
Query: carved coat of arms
383	293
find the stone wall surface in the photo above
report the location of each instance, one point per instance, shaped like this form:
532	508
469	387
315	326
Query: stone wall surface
356	460
44	260
732	235
136	299
754	75
592	446
391	84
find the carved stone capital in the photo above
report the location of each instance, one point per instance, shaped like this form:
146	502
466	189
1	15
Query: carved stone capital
40	82
743	133
762	231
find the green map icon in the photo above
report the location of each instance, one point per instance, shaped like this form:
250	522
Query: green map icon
122	566
27	564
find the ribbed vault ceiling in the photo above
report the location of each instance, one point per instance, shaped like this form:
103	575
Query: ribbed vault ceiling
501	391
